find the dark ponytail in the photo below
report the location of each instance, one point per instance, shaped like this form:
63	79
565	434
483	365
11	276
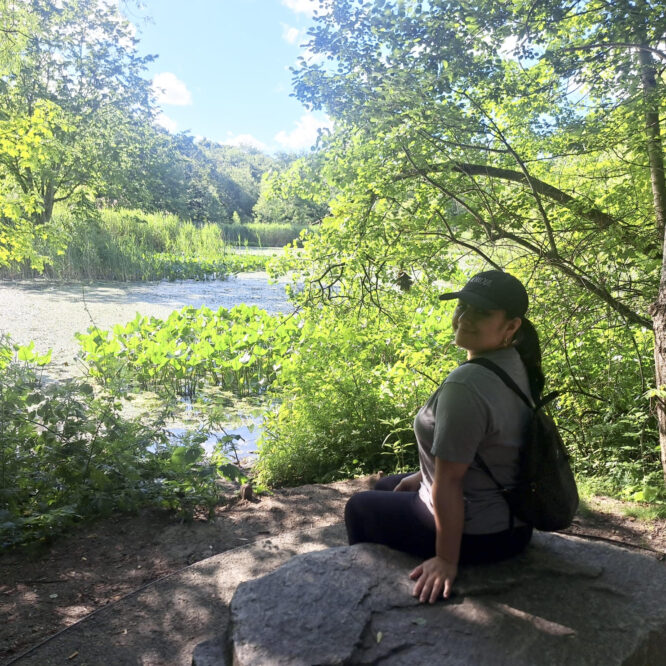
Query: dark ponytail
526	342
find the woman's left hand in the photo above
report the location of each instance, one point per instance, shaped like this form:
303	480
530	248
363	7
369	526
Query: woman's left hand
433	578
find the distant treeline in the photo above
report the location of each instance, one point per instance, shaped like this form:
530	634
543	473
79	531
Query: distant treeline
208	182
78	134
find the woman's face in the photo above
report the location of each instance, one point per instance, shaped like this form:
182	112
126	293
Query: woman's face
480	331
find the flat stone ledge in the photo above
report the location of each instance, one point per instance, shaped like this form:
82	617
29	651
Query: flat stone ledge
166	621
565	601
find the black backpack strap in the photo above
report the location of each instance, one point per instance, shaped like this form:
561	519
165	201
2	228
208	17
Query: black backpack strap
482	464
503	375
506	378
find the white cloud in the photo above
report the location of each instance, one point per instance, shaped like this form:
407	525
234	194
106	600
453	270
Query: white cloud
169	89
303	6
246	140
167	123
290	34
305	133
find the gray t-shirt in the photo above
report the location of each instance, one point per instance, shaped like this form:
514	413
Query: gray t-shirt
473	410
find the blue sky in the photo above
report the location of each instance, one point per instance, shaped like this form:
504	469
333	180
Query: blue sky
223	69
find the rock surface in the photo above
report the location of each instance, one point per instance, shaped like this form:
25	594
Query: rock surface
565	601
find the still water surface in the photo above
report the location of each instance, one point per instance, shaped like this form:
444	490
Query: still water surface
50	313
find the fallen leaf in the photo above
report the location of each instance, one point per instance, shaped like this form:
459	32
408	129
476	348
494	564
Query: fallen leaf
53	596
379	636
420	621
73	655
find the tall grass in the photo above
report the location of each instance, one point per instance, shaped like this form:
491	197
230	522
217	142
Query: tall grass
126	245
260	235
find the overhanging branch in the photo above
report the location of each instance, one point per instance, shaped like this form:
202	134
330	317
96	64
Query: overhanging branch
572	271
601	219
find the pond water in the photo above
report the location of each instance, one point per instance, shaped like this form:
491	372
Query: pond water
50	313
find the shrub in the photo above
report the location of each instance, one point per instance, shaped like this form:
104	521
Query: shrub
348	394
67	453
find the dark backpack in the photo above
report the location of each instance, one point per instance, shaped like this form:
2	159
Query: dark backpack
545	495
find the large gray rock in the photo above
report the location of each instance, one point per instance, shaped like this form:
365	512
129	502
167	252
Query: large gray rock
565	601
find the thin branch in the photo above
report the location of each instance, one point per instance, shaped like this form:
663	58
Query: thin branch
424	174
455	144
617	45
525	172
452	237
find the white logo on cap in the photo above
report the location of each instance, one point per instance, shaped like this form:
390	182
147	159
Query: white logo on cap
484	281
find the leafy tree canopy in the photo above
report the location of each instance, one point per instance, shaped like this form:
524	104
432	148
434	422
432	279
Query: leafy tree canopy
72	94
524	134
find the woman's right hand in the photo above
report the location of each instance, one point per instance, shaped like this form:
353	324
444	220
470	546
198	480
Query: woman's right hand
410	484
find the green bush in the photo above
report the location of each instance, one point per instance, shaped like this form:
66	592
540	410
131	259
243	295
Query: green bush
348	394
604	369
67	453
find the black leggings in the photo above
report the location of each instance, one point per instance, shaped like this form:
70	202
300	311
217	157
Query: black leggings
402	521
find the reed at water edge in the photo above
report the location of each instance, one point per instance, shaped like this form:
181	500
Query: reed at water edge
130	245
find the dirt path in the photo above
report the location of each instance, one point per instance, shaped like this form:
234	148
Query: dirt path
45	590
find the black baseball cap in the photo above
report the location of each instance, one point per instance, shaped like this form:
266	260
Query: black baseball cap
493	290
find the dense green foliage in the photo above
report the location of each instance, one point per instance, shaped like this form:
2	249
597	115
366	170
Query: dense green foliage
461	140
349	391
67	453
77	131
131	245
73	100
237	350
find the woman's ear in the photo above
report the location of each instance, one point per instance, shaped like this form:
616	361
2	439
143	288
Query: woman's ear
514	325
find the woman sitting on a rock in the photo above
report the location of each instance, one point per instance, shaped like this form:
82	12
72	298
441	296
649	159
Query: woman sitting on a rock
451	511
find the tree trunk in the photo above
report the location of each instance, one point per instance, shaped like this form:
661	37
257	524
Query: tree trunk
49	200
658	312
658	308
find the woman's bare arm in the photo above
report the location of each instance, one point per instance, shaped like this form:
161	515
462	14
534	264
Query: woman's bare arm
435	576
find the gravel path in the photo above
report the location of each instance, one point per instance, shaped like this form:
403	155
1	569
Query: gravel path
50	313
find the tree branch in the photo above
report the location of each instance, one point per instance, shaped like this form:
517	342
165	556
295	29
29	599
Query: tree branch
528	179
617	45
554	260
603	220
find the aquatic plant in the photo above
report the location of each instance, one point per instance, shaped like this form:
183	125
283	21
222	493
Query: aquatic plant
237	350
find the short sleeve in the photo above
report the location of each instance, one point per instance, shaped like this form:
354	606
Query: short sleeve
461	423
